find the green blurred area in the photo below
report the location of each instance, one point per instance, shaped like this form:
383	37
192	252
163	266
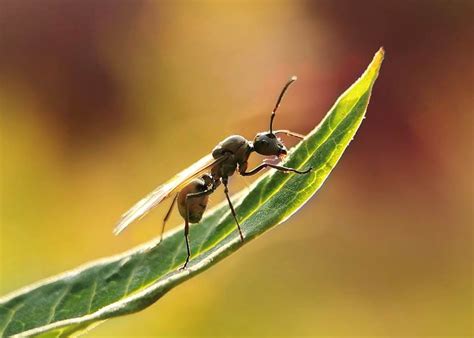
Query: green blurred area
101	101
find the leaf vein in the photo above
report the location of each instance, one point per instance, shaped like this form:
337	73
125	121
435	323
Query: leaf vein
56	304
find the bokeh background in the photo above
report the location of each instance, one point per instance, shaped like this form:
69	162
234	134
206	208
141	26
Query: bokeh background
102	100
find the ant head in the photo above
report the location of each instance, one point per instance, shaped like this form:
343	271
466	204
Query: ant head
267	143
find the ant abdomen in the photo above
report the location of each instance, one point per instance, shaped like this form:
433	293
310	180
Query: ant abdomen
196	205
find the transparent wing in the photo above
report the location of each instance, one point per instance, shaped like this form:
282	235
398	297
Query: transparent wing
163	191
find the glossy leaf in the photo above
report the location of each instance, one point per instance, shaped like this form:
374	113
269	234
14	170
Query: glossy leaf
79	299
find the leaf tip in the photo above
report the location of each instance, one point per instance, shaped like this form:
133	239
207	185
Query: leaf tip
379	56
374	66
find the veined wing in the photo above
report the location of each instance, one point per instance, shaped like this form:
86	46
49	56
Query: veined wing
163	191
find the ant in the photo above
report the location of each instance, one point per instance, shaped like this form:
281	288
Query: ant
191	192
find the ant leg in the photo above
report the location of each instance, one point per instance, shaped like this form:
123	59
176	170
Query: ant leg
226	191
277	167
289	133
186	219
167	216
186	232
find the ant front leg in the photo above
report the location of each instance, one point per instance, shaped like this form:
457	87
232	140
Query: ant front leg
289	133
226	192
277	167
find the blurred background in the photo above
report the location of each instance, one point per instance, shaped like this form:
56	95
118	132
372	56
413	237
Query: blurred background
103	100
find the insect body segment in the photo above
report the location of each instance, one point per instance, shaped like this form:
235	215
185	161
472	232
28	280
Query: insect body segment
194	208
229	156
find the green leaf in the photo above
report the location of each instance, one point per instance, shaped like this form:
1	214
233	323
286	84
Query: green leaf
82	298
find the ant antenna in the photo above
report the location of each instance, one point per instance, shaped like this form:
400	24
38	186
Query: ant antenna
290	81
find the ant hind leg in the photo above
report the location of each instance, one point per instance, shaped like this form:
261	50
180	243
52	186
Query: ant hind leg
167	216
186	220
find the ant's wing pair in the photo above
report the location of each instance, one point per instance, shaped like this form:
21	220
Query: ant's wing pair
163	191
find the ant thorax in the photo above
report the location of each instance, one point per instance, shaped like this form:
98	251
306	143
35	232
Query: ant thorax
236	149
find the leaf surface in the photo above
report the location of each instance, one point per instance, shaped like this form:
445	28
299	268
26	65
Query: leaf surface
77	300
